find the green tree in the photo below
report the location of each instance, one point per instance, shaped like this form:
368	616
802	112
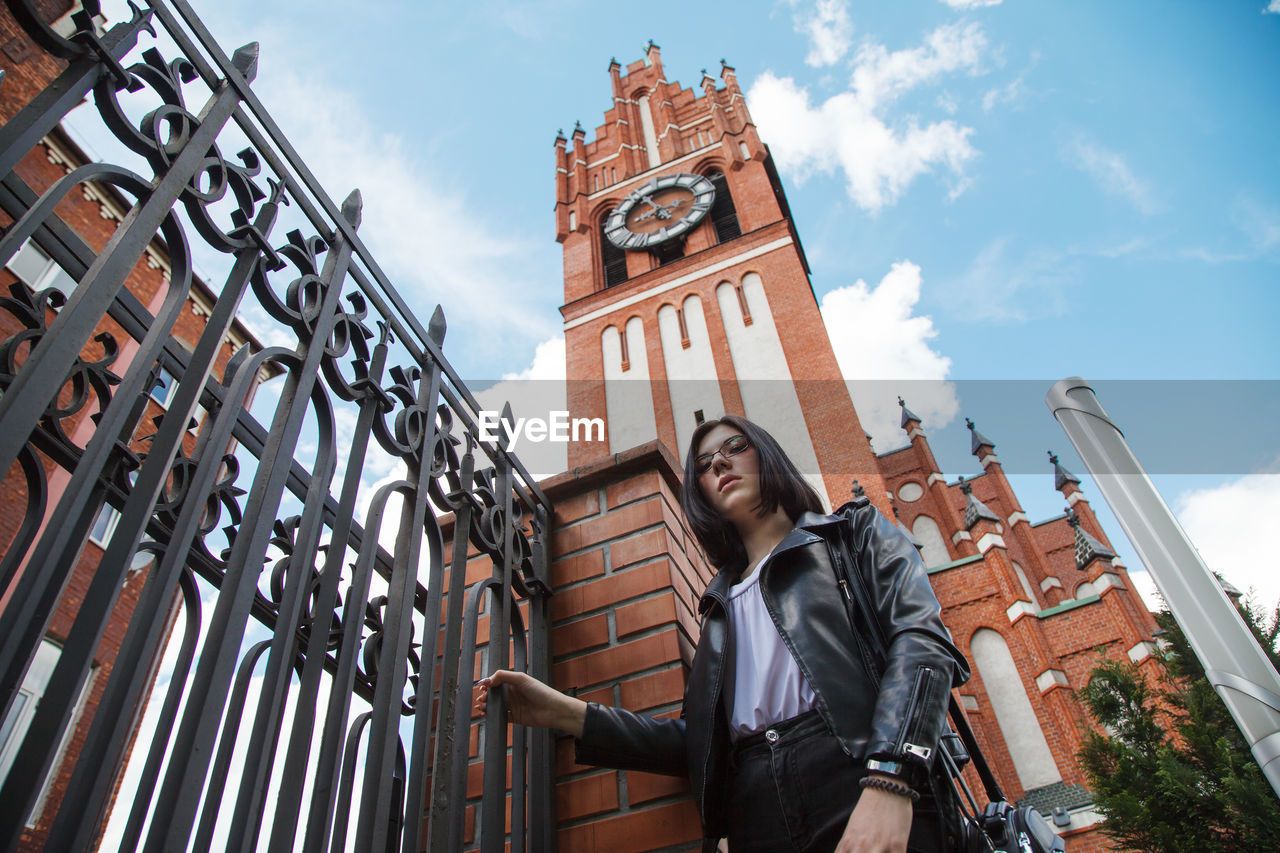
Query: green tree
1173	772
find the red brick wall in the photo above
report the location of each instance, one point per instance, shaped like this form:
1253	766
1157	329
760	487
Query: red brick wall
627	575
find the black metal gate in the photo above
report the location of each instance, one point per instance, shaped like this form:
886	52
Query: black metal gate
243	576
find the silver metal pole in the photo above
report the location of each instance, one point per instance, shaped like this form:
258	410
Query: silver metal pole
1235	664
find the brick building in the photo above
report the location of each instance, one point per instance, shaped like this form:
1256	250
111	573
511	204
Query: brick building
683	304
33	287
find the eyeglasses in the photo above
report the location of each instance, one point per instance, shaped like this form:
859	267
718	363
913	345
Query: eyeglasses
733	445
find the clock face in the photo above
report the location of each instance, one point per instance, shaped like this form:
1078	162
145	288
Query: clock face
665	208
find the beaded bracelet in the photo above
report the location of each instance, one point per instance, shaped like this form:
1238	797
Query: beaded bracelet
891	786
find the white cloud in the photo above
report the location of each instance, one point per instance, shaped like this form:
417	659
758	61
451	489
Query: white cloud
1010	93
876	337
548	362
830	32
1111	172
998	281
424	236
1226	522
850	133
1261	224
1272	8
535	392
977	4
880	76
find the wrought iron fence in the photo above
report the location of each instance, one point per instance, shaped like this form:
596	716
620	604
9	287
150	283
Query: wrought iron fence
290	666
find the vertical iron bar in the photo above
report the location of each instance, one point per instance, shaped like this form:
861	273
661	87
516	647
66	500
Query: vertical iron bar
181	790
346	786
246	820
108	735
164	724
52	559
320	816
455	677
519	736
493	807
419	764
287	812
542	756
384	736
234	715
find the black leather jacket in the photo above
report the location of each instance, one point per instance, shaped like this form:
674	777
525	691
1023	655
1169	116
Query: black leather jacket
899	721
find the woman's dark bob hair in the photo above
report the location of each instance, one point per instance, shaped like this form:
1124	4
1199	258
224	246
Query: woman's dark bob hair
780	486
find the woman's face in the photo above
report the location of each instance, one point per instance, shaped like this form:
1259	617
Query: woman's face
732	484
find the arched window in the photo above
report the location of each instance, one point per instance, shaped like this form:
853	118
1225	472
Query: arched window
1032	759
612	259
933	549
1026	583
724	216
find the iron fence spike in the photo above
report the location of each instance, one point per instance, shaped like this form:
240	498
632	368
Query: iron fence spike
245	60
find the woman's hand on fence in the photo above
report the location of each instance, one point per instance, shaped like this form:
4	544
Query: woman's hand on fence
532	703
880	823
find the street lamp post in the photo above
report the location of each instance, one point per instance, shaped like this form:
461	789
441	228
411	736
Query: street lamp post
1235	664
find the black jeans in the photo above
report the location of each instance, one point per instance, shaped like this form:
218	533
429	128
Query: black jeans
793	788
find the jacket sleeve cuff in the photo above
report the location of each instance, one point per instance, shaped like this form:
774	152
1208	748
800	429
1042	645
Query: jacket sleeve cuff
615	737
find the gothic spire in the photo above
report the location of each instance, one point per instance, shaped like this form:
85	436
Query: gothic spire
975	509
907	414
1087	548
977	439
1061	476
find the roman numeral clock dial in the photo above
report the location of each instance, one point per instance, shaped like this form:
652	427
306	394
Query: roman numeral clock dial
664	209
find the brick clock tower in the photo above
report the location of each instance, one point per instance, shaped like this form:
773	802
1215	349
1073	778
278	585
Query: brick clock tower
686	289
687	296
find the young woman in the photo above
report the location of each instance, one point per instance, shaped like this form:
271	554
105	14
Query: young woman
800	729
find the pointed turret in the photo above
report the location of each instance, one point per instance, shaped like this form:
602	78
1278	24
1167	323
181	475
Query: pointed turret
1063	480
653	53
562	186
615	77
979	445
974	509
908	417
1087	548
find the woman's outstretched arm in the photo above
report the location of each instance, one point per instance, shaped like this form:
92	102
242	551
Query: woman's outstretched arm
532	703
609	737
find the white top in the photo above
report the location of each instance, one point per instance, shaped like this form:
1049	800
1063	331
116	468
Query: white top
767	685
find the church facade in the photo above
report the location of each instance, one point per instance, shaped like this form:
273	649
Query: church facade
687	296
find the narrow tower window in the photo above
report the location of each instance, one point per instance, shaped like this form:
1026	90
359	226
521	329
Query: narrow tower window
742	304
684	329
724	216
612	259
646	127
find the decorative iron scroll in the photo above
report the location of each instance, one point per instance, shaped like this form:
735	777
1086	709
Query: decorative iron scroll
247	562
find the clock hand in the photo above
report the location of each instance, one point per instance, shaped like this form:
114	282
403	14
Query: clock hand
665	211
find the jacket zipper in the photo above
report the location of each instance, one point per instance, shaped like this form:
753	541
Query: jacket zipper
920	690
872	671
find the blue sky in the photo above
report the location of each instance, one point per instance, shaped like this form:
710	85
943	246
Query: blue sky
986	192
